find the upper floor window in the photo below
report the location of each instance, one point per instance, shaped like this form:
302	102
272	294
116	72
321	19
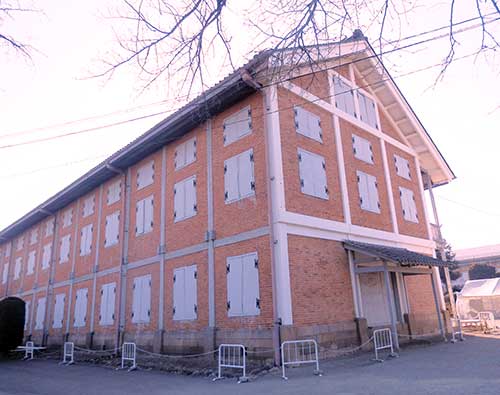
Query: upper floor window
144	215
237	126
20	243
67	217
362	149
368	192
185	293
145	175
402	167
30	269
86	240
88	206
239	180
408	205
112	229
46	256
114	191
344	95
49	227
185	205
185	153
308	124
141	299
33	236
312	173
64	251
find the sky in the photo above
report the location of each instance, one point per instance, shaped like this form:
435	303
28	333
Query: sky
54	93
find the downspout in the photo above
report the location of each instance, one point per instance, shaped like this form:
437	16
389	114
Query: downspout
162	249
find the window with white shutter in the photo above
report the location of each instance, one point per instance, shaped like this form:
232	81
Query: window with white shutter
27	306
141	300
185	295
239	180
344	95
243	297
114	192
367	110
80	316
67	218
20	243
58	311
368	192
108	297
408	205
88	206
30	268
86	240
144	211
7	250
185	153
17	268
47	251
49	227
34	236
308	124
5	273
362	149
237	126
312	173
112	229
402	167
64	252
185	205
40	313
145	175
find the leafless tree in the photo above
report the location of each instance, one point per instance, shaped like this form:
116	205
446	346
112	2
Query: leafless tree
11	10
186	38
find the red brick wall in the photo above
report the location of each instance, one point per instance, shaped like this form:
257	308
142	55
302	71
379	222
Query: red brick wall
406	227
107	329
317	84
423	315
296	201
63	270
42	275
388	129
320	281
85	264
361	217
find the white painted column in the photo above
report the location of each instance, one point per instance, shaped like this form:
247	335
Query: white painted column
342	174
73	262
388	182
162	247
96	261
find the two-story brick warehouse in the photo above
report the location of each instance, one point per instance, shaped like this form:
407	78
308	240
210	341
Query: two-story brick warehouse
269	208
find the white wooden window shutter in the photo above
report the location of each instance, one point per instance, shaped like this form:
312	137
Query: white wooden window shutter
27	314
145	175
367	110
312	174
308	124
58	311
251	295
178	301
185	153
368	192
239	179
31	263
237	126
114	192
402	167
231	179
234	273
362	149
40	313
344	96
408	205
185	205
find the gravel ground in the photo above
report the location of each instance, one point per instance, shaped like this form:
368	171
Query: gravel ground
470	367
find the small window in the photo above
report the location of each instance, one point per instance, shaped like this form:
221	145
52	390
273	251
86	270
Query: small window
368	192
80	316
64	252
47	251
114	192
86	240
18	268
108	297
362	149
308	124
144	216
58	311
185	205
185	154
239	181
344	95
185	293
402	167
408	205
367	110
141	301
34	236
145	175
5	273
88	206
312	173
243	285
112	229
237	126
49	227
67	218
7	250
20	243
30	269
40	313
26	314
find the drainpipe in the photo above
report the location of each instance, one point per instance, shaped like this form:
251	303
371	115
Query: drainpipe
162	249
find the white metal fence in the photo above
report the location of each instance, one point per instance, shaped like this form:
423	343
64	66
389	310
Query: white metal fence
128	355
487	320
232	356
29	350
298	352
68	353
456	330
382	340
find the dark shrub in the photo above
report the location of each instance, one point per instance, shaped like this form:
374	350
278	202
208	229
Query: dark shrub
11	323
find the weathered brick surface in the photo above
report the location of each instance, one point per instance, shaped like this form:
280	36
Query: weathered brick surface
296	201
320	281
387	128
361	217
317	84
423	315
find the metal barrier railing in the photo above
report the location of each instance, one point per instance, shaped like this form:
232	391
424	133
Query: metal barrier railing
68	353
298	352
487	320
128	355
382	340
456	330
29	350
232	356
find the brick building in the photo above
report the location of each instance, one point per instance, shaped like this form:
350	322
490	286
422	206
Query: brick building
270	208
